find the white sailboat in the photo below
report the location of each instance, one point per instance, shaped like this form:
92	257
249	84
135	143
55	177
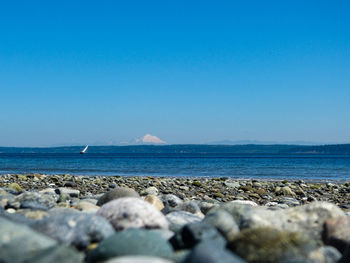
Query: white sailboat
84	150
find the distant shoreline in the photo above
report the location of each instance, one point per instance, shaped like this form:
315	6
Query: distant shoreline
332	149
176	177
223	188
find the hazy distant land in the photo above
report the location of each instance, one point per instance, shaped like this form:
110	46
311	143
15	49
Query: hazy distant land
343	149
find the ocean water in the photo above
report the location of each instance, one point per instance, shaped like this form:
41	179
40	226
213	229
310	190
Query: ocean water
304	167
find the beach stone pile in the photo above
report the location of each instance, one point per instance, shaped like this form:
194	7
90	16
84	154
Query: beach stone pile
73	219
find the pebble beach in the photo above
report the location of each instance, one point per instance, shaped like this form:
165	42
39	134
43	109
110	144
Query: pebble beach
118	219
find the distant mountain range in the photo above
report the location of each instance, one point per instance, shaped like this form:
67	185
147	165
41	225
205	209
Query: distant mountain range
244	142
343	149
149	139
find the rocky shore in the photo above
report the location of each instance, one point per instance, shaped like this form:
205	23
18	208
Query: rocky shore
64	218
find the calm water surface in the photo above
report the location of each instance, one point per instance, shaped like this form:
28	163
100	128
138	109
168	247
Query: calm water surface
305	167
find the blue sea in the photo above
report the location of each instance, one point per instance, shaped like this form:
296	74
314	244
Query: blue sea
249	166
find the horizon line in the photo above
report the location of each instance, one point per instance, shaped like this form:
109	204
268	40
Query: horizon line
179	144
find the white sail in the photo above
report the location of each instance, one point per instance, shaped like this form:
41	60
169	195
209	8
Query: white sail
83	151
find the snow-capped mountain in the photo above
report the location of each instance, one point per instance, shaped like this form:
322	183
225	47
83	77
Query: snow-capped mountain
147	139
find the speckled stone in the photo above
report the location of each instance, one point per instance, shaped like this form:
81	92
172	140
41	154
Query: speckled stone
130	212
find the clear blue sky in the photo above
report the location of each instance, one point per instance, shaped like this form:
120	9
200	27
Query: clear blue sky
76	72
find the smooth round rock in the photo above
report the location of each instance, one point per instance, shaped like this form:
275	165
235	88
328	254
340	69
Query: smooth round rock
170	200
289	201
209	253
34	201
188	206
61	254
232	184
192	207
130	212
268	245
131	242
154	200
74	228
287	191
18	242
192	234
85	206
164	233
223	222
325	254
15	187
336	232
307	219
138	259
116	193
178	219
206	206
150	191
